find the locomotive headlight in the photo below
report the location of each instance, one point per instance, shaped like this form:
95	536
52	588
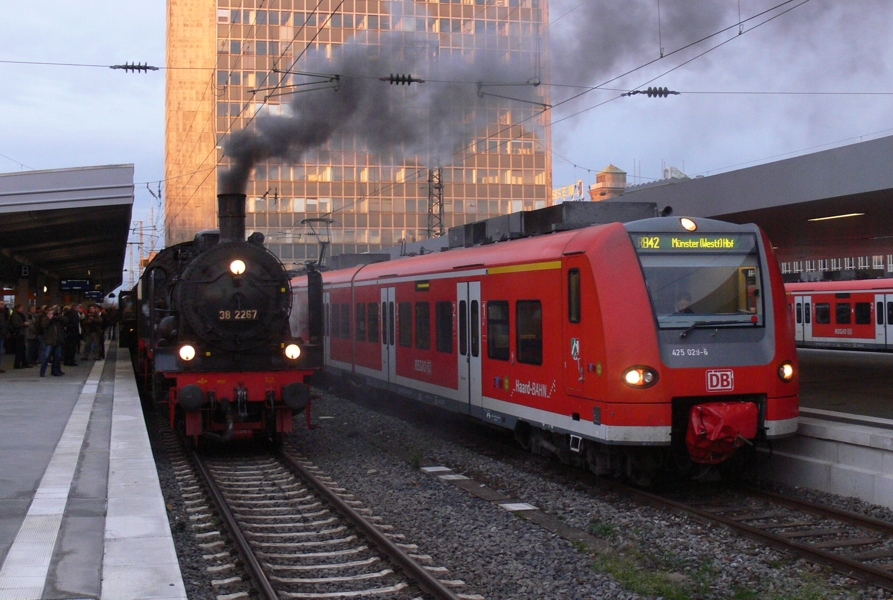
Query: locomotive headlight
187	352
237	267
640	377
688	224
292	352
786	371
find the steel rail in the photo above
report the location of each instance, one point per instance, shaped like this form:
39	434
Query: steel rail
412	569
261	580
842	564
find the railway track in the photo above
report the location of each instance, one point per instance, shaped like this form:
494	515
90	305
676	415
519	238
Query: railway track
853	544
300	536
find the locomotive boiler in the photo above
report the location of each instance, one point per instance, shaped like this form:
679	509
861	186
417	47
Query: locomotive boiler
214	344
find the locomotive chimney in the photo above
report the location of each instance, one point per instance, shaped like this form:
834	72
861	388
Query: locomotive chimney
231	217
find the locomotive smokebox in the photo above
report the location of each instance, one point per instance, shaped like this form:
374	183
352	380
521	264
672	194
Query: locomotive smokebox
231	217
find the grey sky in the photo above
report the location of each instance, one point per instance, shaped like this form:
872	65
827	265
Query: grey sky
61	116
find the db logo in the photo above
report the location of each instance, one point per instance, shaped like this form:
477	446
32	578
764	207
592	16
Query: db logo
720	380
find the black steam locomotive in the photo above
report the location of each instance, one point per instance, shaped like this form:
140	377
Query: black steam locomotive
215	339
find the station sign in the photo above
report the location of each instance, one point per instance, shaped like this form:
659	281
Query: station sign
75	285
93	295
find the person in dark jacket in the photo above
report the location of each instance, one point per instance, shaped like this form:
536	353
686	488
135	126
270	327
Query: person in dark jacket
4	329
18	325
72	335
54	334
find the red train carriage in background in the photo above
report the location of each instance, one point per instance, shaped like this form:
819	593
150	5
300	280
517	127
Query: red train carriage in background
578	342
843	314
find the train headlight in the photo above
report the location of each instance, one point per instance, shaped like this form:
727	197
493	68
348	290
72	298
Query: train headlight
237	267
639	377
292	352
688	224
786	371
187	352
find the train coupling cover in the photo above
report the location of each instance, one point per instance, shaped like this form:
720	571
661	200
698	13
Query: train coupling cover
717	429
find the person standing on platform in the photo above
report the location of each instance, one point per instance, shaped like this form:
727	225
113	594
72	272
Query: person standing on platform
54	335
38	328
4	330
31	336
72	335
18	325
112	328
102	325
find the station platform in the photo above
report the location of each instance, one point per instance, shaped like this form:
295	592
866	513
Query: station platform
844	442
81	509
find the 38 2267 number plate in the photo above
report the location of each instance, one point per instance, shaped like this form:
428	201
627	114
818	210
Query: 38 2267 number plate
237	315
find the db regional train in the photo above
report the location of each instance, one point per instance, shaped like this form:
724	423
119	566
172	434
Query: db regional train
627	348
211	338
854	315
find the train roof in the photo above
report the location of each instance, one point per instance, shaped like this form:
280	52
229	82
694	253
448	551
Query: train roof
511	252
852	285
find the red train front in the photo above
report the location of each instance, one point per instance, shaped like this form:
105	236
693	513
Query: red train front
622	347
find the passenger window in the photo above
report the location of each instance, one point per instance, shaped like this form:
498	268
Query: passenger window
336	320
889	313
842	313
444	326
404	322
880	313
475	329
822	313
463	328
422	325
345	321
808	308
373	321
799	313
361	322
390	323
498	329
863	313
530	331
384	323
573	295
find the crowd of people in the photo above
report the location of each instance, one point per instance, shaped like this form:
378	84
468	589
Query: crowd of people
50	336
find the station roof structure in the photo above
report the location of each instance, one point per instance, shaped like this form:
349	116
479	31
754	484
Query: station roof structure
66	224
800	202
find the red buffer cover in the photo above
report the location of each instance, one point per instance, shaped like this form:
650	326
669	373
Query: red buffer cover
717	429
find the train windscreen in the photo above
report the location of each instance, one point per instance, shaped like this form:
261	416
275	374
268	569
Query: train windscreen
702	279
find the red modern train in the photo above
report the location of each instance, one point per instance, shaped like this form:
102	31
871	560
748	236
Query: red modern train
843	314
624	347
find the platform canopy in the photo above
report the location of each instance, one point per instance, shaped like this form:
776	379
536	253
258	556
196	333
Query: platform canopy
66	225
825	205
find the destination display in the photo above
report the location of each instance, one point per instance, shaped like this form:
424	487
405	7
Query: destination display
694	242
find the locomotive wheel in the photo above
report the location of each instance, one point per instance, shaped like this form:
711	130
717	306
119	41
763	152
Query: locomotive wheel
641	466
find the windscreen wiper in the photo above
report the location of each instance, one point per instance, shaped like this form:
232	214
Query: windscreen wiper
709	324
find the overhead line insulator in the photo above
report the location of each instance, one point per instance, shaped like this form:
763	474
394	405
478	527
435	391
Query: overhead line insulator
401	79
135	67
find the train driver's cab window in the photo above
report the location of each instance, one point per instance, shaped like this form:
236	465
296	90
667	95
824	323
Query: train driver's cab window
498	329
530	332
573	296
702	279
822	313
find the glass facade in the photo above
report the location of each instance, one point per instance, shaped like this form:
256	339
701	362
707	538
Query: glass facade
375	199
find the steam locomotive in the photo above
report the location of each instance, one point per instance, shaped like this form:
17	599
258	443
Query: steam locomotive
212	340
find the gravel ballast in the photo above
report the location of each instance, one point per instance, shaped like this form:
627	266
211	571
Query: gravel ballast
640	552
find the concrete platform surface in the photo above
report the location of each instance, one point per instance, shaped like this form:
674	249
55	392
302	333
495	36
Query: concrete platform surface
81	510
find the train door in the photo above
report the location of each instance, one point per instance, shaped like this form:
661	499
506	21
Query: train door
803	318
468	307
388	342
884	320
326	340
574	338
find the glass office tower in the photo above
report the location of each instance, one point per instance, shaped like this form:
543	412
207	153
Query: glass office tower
232	61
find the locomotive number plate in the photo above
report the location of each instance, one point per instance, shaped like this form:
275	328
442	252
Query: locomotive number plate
237	315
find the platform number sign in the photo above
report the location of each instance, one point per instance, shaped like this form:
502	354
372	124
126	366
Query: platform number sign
24	271
720	380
